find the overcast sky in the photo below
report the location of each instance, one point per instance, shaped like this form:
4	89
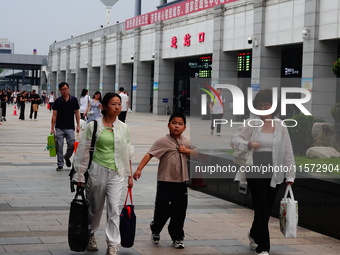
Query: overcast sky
35	24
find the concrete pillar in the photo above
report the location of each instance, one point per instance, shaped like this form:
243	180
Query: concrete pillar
107	73
163	87
266	62
70	78
60	74
224	64
123	71
92	73
318	58
141	85
80	75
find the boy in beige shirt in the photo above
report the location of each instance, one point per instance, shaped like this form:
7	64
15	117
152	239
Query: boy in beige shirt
172	150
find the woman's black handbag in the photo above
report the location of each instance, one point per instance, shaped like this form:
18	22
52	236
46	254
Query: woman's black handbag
127	224
79	225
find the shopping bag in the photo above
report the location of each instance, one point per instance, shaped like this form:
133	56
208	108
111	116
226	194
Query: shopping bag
76	143
35	107
51	146
127	225
289	214
79	225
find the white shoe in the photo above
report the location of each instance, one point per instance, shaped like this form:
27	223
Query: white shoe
112	250
262	253
252	244
218	134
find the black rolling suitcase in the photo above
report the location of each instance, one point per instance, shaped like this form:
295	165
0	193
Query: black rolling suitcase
79	226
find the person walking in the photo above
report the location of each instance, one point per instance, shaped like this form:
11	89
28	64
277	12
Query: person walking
110	165
35	102
84	103
272	146
217	111
51	99
3	100
22	102
122	115
172	150
43	97
65	110
94	107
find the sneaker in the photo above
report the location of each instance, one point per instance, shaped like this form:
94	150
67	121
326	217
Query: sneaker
112	250
59	168
263	253
92	245
155	237
252	244
218	134
178	244
30	119
68	162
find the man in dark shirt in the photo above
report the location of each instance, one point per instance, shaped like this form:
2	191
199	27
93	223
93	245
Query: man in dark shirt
65	108
35	101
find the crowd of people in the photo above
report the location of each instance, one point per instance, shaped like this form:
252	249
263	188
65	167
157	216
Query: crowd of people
110	162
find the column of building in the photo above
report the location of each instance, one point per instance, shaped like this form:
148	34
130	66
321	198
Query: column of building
69	77
266	62
123	71
107	73
60	73
318	57
141	79
80	74
92	73
224	63
163	87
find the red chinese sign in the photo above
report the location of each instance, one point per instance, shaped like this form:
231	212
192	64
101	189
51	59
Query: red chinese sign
187	40
173	11
174	42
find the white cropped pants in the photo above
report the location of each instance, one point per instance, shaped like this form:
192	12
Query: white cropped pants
102	184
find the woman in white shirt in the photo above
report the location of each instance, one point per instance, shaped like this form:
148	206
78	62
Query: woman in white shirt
272	147
84	102
110	165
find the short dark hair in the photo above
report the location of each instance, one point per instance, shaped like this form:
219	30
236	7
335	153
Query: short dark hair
265	96
178	115
106	100
121	89
62	84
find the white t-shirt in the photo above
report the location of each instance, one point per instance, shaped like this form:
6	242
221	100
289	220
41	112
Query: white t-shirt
217	108
125	99
84	102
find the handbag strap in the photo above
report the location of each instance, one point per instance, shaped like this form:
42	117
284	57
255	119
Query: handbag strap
290	191
93	141
80	192
129	192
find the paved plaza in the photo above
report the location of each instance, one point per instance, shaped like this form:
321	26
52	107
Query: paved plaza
35	200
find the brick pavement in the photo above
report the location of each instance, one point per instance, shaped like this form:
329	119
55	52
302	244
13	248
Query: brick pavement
35	199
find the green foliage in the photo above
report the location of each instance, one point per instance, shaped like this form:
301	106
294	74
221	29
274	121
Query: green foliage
301	135
335	111
336	67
